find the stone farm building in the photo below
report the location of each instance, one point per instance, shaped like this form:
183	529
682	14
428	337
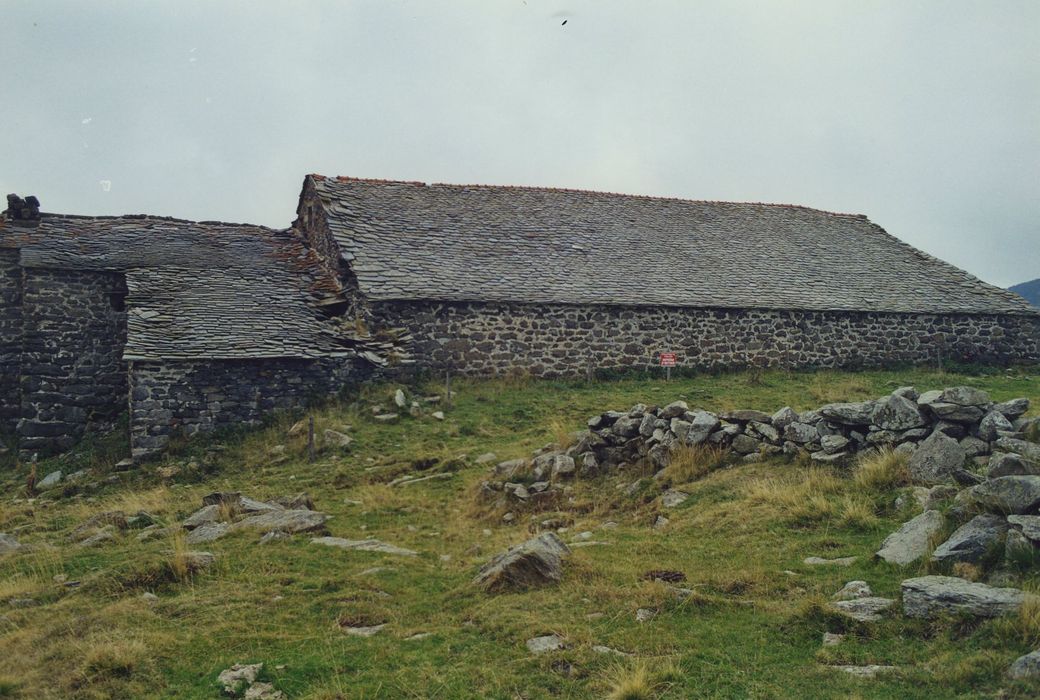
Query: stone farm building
191	326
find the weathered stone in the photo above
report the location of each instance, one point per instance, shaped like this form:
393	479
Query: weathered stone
991	423
546	643
1028	525
930	596
957	413
49	481
510	467
832	444
9	544
291	521
1029	450
563	467
867	671
801	433
673	498
973	541
335	438
701	426
897	413
1011	464
910	542
238	678
853	590
965	396
743	444
367	545
936	460
674	410
907	392
819	561
1006	494
537	561
848	413
783	418
207	532
745	416
1026	667
1012	409
263	691
866	609
386	418
763	431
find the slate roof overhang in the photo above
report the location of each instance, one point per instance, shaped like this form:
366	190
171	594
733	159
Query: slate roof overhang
412	241
196	290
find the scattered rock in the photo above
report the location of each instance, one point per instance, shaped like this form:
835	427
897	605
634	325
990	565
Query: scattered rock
1011	464
400	400
864	609
9	544
236	679
673	498
1006	494
367	545
336	438
386	418
936	459
911	541
973	541
291	521
547	643
263	691
644	615
1027	666
486	458
197	561
853	590
819	561
1029	525
439	415
869	671
929	596
150	598
207	532
660	522
600	649
363	631
831	639
49	481
536	562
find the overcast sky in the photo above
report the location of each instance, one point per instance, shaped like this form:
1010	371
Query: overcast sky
923	115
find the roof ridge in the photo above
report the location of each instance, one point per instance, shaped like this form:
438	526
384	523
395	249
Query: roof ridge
52	217
574	190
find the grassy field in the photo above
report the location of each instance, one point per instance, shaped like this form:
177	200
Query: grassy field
752	628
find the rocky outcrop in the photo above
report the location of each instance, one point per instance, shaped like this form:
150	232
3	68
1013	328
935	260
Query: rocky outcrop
910	542
536	562
930	596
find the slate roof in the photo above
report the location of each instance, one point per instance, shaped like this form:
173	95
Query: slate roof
411	241
196	290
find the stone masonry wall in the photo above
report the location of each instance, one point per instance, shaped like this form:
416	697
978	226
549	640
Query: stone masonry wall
10	339
184	398
73	378
485	339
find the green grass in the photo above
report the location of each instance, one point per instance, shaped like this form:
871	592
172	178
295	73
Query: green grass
752	628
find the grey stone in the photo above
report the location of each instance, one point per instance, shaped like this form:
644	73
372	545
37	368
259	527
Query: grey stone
907	392
235	680
546	643
743	444
674	410
1011	464
336	439
973	541
101	536
897	413
991	423
196	561
400	400
291	521
745	416
1006	494
536	562
49	481
910	542
853	590
563	467
830	639
819	561
207	532
263	691
822	456
764	431
848	413
644	615
486	458
833	444
363	630
1025	667
867	609
1029	450
673	498
9	544
974	447
868	671
1012	409
956	412
936	460
702	425
965	396
801	433
367	545
386	418
930	596
783	418
510	467
1029	525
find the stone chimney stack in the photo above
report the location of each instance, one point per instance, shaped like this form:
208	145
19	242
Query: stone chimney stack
22	210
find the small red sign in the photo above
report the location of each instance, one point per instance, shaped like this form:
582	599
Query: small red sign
668	359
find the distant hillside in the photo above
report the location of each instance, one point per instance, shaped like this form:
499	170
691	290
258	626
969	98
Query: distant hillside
1030	291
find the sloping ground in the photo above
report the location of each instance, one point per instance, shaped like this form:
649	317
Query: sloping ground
76	623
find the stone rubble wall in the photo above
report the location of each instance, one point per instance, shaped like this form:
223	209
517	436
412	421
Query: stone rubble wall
177	398
73	378
556	340
10	339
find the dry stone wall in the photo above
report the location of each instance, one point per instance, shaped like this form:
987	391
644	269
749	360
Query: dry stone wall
73	378
184	398
10	339
552	340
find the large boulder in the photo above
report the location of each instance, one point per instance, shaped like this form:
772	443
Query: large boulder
965	396
931	596
973	541
801	433
1012	409
288	521
536	562
1027	666
936	460
746	416
702	425
910	542
991	425
1011	464
1006	494
783	418
1029	450
1029	525
897	413
848	413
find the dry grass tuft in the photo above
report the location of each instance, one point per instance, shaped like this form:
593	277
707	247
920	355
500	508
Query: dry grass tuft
967	571
834	387
639	680
563	434
857	512
882	470
1023	628
180	563
689	463
801	496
